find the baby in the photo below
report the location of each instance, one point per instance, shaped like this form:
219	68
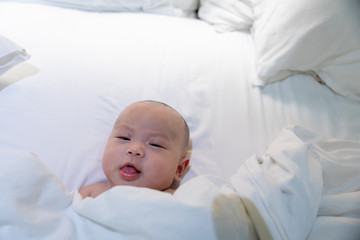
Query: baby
148	147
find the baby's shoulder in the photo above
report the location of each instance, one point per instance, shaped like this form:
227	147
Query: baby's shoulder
93	190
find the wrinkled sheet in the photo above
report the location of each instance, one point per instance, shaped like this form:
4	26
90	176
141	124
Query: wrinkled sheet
297	188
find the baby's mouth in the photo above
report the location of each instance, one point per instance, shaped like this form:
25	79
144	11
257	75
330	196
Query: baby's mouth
129	172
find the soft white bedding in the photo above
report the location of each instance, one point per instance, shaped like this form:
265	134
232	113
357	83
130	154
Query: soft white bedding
181	8
85	67
289	38
88	66
280	195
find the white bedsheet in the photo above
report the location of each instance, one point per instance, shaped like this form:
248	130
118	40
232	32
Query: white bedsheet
283	194
88	66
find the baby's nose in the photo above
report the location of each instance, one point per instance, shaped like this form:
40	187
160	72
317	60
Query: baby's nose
136	150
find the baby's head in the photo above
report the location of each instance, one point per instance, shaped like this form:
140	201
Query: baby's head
148	147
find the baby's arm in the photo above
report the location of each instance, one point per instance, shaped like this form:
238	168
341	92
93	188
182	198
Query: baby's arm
94	190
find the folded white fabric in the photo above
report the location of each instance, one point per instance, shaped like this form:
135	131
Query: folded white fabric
283	188
33	201
338	216
150	214
339	210
10	54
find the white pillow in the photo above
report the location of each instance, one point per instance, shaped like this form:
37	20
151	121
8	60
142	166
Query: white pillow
320	36
166	7
227	15
10	54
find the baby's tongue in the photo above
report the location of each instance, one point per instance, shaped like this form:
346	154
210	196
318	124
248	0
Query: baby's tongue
129	170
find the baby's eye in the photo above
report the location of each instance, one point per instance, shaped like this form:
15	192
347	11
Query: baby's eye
156	145
124	138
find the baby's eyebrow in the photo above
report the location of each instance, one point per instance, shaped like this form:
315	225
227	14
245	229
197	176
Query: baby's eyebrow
149	133
122	127
158	134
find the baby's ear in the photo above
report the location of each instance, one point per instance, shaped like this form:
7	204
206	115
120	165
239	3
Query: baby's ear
182	168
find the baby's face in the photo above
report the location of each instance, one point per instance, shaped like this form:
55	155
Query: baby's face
145	147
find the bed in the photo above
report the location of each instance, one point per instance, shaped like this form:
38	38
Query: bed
265	93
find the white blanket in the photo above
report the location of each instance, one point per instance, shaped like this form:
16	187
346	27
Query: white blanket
298	188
